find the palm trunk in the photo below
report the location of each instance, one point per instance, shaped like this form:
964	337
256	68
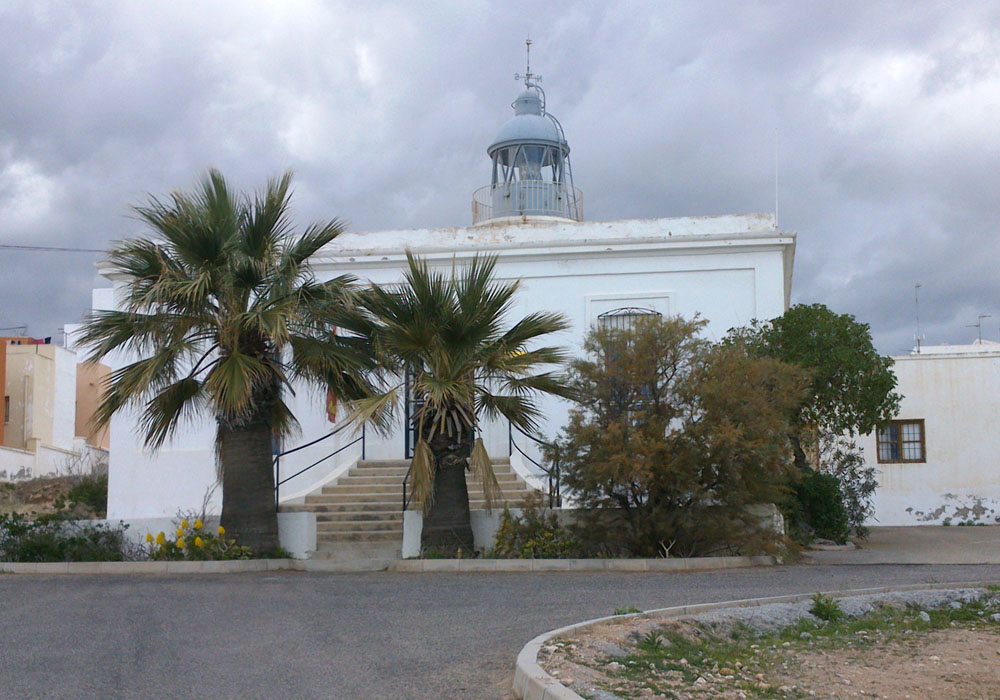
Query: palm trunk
248	513
447	524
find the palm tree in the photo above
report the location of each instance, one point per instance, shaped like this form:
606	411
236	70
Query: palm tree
224	313
448	334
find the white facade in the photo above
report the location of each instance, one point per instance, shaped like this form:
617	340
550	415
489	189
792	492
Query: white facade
955	391
728	269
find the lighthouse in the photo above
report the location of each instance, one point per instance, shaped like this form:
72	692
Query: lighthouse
532	177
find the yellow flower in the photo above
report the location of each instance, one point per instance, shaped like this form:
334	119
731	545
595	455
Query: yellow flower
161	539
198	524
184	524
149	537
180	533
222	531
198	543
181	543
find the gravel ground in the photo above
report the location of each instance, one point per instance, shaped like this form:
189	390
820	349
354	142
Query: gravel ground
381	635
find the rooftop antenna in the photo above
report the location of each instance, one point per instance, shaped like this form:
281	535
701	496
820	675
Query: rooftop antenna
916	300
979	324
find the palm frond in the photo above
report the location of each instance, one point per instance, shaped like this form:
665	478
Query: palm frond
481	466
422	475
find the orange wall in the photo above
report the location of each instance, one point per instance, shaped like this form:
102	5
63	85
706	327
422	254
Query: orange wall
90	379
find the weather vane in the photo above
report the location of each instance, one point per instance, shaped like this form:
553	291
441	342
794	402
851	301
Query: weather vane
530	79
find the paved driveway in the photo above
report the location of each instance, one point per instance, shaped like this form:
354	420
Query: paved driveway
349	636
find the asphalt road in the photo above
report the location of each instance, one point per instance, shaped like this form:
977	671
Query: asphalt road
342	636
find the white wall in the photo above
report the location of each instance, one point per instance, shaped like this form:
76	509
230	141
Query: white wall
728	269
958	397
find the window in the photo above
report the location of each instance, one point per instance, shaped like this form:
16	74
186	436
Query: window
902	441
623	319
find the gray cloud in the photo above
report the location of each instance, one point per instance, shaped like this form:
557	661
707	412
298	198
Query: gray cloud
882	116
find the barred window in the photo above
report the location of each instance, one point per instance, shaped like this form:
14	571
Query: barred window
624	319
902	441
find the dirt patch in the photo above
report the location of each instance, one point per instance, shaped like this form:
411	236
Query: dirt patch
959	664
35	495
940	644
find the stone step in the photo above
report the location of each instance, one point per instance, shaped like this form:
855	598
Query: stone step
366	480
360	516
405	463
345	507
323	528
326	538
349	551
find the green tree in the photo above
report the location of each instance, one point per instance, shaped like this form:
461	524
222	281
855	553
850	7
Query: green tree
674	438
465	365
851	388
219	313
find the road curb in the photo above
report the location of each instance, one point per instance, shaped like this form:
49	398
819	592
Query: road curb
402	566
531	682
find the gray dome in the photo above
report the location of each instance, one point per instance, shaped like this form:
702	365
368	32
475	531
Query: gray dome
529	128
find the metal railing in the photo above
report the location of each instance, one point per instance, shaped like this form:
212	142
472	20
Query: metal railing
278	456
527	198
553	473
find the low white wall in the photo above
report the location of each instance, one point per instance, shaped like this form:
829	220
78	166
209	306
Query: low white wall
16	465
297	533
484	529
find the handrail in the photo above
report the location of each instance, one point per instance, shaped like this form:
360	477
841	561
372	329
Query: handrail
554	474
277	457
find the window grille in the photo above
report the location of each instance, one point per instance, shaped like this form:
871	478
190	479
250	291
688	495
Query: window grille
624	319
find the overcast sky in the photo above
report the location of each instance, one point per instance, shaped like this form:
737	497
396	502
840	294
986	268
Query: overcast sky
884	118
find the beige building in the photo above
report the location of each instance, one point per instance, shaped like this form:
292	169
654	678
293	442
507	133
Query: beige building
47	407
938	461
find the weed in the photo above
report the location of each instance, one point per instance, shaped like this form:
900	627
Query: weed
651	641
826	608
626	611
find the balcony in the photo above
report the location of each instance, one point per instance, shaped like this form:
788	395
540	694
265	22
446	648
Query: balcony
527	198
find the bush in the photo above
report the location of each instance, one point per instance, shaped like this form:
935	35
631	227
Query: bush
53	539
817	509
841	458
192	542
88	497
674	439
533	535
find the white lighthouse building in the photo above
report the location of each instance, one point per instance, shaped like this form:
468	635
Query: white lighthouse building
728	269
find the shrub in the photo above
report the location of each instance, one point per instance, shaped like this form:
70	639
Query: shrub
817	509
88	497
674	438
533	535
826	608
53	539
192	542
841	458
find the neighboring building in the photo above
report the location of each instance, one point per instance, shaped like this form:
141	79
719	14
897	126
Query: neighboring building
938	460
728	269
41	396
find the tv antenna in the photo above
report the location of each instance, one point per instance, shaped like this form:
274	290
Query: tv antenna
916	301
979	324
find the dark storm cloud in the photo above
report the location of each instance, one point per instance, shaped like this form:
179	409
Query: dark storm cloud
882	117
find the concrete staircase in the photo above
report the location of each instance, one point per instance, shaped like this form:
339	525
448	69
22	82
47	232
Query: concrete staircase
360	516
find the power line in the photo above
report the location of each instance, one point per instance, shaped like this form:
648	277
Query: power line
49	248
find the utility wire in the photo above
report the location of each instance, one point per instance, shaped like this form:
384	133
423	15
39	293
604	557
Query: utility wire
49	249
